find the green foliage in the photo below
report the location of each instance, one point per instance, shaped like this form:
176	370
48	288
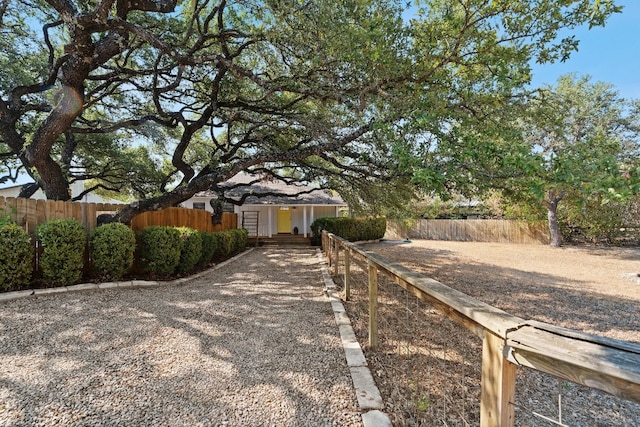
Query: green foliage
16	257
351	90
63	242
242	237
226	243
160	249
351	229
231	241
209	247
5	218
578	141
112	248
191	249
592	220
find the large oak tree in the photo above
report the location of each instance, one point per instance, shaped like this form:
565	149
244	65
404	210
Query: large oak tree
342	93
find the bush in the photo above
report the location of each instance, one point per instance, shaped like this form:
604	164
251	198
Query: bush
112	248
191	249
63	242
242	237
218	243
209	247
160	249
16	257
231	242
351	229
226	242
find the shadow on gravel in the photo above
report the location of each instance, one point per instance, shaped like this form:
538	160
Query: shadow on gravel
253	343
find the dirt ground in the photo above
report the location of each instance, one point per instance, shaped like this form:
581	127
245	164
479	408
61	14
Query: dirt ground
588	288
428	369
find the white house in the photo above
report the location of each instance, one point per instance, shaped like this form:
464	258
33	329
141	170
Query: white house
281	208
76	188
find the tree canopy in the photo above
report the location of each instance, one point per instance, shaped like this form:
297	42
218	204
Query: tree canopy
351	95
578	141
584	145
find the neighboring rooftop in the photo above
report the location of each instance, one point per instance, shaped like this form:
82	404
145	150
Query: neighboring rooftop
274	191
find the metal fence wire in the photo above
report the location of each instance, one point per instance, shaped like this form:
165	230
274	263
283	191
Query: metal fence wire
543	400
428	368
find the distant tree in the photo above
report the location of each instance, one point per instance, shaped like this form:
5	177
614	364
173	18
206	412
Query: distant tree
576	142
584	142
337	92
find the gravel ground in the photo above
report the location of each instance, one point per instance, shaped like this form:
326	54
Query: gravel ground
253	343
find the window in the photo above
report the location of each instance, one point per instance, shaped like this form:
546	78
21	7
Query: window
198	205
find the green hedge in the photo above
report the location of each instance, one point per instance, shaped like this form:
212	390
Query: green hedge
16	257
63	242
112	249
168	250
160	249
191	249
231	242
209	247
351	229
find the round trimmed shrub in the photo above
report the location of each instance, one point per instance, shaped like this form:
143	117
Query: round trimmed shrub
209	247
191	249
16	258
160	249
112	249
63	242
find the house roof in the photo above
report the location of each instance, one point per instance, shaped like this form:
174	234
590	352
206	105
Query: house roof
273	191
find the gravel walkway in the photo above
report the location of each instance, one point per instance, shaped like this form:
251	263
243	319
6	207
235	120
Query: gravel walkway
253	343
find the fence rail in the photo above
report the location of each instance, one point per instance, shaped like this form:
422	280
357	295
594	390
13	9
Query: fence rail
183	217
508	341
29	213
472	230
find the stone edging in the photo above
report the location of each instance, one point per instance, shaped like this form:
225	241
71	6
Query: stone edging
369	398
9	296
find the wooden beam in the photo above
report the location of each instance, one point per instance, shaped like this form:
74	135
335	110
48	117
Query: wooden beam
373	306
347	274
336	262
604	364
498	385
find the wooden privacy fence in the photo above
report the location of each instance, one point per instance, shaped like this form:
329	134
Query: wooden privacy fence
507	341
183	217
29	213
472	230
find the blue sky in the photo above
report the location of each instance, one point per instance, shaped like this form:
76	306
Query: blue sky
610	54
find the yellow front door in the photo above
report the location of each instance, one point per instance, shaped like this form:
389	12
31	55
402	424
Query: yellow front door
284	220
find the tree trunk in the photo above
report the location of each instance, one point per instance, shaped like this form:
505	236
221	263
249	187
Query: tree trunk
552	216
171	198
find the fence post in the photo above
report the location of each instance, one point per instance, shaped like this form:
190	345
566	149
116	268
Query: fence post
373	305
329	250
347	274
337	260
324	243
498	385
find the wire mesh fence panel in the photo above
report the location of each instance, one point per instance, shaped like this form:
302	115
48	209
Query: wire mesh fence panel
543	400
426	366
